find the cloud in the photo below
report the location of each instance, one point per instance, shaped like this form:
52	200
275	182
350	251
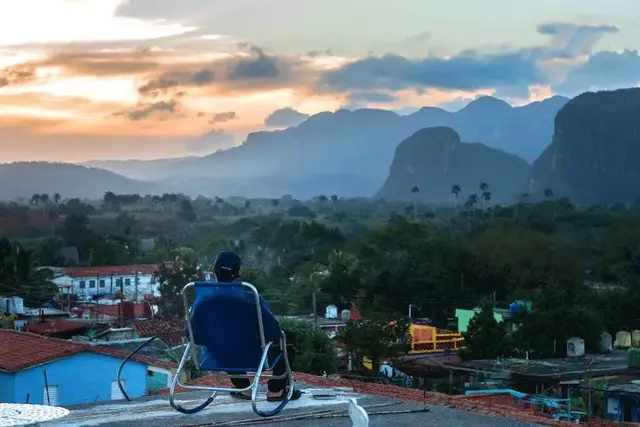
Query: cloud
285	117
468	71
603	70
261	66
223	117
176	79
573	40
105	63
210	142
374	97
509	73
17	75
147	110
245	70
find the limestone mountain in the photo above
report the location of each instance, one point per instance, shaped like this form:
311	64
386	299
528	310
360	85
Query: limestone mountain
434	159
23	179
345	152
593	157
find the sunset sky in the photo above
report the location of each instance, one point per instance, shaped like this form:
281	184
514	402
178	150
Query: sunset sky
118	79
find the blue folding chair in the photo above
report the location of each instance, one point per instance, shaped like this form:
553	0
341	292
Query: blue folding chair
235	330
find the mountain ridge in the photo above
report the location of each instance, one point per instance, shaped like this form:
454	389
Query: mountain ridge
358	143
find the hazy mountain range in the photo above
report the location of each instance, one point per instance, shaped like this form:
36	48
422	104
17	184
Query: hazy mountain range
347	153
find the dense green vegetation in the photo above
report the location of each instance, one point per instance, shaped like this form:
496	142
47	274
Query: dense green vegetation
580	268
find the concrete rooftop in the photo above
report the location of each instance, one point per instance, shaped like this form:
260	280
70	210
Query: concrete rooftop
154	411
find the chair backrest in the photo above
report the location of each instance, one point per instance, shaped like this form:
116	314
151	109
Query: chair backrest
224	319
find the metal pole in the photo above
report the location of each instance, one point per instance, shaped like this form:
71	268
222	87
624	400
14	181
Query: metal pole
46	387
410	307
315	311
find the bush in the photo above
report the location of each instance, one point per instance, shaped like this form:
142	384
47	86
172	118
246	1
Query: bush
316	353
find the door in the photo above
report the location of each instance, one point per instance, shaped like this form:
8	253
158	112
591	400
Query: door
50	395
116	394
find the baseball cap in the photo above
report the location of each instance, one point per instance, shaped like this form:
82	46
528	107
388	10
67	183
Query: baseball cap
227	261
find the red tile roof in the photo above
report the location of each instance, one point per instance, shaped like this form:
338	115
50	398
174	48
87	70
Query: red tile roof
169	331
130	310
117	270
47	328
22	350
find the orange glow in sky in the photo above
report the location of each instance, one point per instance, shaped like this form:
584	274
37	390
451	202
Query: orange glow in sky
98	84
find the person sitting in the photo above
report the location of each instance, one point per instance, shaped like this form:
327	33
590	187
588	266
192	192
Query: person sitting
227	270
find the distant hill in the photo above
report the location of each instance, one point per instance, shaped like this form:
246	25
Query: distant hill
137	169
360	144
593	157
25	179
434	159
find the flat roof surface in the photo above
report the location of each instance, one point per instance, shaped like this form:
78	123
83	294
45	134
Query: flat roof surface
154	411
616	361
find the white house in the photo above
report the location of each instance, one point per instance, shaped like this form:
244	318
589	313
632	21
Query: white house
134	280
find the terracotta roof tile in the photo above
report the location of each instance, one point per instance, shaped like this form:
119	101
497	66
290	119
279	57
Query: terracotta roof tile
22	350
169	331
47	328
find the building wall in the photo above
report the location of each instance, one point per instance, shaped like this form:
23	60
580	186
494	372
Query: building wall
82	378
465	316
110	284
6	387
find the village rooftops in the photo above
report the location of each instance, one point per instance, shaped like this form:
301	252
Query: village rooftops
615	362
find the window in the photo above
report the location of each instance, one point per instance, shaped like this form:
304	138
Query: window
92	283
127	282
82	284
152	280
118	282
102	283
50	395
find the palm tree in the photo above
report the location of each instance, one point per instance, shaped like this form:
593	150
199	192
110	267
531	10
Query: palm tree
548	193
56	198
334	200
484	188
486	198
471	203
19	275
35	199
415	190
455	190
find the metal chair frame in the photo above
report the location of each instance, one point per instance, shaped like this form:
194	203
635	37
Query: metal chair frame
190	352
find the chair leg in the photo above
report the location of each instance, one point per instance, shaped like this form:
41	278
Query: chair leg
256	381
181	366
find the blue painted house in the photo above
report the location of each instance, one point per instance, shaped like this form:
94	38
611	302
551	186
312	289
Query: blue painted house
43	370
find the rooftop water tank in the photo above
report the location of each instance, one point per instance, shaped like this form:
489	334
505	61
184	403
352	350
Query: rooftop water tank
575	347
331	312
345	315
635	338
515	308
18	305
623	339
